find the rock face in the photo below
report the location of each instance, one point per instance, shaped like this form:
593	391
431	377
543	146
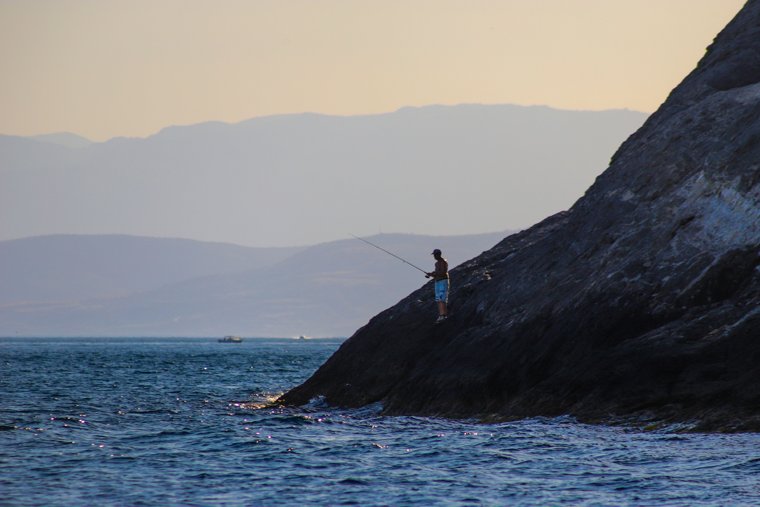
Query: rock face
642	300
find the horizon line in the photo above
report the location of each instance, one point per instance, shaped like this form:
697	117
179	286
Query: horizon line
323	114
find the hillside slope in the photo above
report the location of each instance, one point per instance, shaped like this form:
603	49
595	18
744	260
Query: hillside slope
150	287
641	300
74	267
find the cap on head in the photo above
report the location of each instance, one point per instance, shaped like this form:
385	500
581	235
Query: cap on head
436	252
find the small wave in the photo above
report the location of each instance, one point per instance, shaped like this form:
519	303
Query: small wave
749	465
353	482
118	457
260	401
152	411
158	435
68	418
317	403
375	409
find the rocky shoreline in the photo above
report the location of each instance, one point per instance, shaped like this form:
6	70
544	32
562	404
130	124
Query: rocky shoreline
641	302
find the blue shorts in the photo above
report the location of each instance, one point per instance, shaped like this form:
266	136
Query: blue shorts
442	290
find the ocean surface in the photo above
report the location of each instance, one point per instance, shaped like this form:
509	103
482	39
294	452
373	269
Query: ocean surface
187	422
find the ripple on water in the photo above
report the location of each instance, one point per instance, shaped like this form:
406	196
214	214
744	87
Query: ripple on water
186	422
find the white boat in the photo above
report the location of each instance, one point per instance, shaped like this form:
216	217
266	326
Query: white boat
231	339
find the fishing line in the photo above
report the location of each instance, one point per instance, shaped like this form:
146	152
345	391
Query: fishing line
390	253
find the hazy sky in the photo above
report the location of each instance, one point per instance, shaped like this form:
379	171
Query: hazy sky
128	68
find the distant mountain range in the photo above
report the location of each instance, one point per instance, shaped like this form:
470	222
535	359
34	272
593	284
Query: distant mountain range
136	286
66	139
72	268
307	178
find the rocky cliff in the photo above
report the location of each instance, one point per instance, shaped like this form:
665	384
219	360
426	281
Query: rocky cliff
642	300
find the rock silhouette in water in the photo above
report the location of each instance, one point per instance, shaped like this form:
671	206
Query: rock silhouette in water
643	299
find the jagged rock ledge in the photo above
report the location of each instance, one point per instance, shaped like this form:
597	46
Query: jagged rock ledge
642	302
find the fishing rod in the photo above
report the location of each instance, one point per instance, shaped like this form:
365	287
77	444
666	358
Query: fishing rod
390	253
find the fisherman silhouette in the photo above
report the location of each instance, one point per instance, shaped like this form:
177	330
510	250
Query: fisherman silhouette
440	277
441	284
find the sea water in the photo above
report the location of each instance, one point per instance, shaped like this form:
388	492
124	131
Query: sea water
187	422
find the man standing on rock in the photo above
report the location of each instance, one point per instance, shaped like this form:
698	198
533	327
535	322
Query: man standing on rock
441	279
